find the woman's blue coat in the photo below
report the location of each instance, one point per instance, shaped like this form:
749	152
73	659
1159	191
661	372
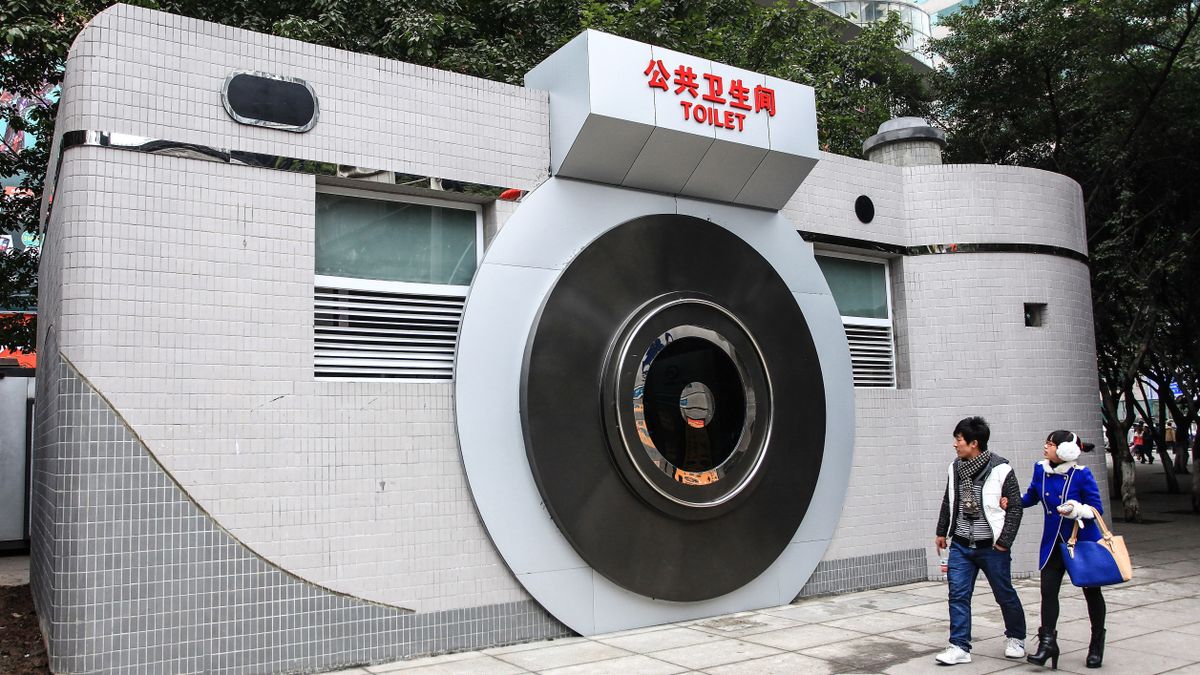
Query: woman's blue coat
1047	488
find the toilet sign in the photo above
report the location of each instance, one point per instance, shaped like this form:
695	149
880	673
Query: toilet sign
705	110
636	115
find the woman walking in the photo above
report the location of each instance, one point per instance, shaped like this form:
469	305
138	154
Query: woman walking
1069	495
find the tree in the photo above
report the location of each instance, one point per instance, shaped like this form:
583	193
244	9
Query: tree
1106	92
859	83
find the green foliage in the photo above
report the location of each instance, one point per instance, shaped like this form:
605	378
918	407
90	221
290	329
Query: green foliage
1108	93
859	82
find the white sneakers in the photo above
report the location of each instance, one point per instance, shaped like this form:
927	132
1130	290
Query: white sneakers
1014	648
954	654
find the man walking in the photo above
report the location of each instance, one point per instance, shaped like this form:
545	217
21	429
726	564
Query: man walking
980	533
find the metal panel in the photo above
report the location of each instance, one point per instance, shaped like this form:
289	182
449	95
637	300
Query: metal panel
626	113
14	395
546	232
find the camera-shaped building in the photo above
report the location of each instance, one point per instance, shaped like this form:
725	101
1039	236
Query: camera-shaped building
346	360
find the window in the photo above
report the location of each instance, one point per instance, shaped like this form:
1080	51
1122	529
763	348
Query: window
1035	314
860	289
392	275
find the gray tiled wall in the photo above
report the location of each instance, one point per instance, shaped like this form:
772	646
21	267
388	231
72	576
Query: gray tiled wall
867	571
138	579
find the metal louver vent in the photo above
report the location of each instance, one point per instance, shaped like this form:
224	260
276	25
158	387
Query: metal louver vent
872	356
362	334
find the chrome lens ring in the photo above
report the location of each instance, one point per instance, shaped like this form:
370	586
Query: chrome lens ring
675	342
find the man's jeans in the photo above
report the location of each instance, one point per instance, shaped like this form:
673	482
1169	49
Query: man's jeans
964	566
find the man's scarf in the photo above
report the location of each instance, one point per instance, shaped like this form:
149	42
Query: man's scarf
966	468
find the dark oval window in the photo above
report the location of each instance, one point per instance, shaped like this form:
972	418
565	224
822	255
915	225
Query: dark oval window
269	101
864	208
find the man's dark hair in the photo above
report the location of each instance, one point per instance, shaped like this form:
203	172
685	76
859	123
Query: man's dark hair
974	429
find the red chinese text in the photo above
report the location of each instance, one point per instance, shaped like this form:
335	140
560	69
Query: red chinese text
713	108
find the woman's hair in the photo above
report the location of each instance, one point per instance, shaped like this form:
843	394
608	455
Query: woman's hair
1062	436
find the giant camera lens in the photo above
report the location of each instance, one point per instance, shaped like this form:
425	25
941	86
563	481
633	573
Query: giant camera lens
649	408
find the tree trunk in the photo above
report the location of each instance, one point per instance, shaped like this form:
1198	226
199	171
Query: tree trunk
1124	476
1133	510
1181	458
1168	466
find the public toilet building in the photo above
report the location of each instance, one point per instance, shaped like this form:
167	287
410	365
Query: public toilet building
346	360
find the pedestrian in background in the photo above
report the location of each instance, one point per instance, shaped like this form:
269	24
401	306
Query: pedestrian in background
1139	448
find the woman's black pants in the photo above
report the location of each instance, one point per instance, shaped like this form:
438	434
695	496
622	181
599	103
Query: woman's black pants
1052	577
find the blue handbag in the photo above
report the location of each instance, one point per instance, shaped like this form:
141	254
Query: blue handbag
1096	563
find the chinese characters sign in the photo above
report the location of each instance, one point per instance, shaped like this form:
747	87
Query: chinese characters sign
705	99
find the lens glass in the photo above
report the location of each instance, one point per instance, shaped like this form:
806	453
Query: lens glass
695	404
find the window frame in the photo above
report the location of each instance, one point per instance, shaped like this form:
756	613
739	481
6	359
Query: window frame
852	321
383	285
887	286
452	292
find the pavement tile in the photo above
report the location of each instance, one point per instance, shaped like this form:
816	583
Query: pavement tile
1188	628
803	637
653	641
14	570
1193	669
573	654
1123	661
816	612
924	664
480	665
1150	617
637	663
994	647
879	622
636	631
934	590
913	587
871	654
780	664
716	652
1145	575
891	601
347	671
742	624
1181	562
398	666
931	633
1168	642
1144	594
527	646
1080	630
984	625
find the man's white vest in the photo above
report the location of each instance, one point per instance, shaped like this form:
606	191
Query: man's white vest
993	488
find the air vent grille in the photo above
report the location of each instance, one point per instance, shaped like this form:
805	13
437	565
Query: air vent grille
872	356
374	334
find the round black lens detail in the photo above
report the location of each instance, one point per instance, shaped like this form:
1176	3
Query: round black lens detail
649	392
683	384
864	208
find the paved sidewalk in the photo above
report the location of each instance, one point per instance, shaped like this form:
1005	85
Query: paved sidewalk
1153	624
14	569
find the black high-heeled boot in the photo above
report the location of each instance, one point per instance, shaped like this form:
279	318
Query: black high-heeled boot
1095	655
1047	649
